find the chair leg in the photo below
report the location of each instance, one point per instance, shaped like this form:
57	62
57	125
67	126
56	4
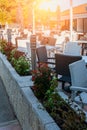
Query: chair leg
63	84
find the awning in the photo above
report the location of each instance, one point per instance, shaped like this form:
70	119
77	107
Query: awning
75	16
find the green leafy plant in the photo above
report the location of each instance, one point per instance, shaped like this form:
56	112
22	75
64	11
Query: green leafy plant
21	65
16	54
41	77
2	45
19	62
45	84
16	58
62	113
7	48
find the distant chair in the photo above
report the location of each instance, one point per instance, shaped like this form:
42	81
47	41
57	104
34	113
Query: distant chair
59	44
28	53
78	71
43	58
51	46
52	41
44	40
72	48
62	62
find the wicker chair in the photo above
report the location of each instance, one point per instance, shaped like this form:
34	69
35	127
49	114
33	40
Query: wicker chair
62	62
43	58
72	48
78	71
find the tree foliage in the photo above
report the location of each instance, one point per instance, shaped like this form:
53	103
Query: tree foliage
15	11
6	10
20	12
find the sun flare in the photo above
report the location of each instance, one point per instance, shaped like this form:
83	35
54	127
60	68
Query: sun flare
52	5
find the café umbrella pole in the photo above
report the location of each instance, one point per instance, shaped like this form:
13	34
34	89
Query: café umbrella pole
71	20
33	24
33	41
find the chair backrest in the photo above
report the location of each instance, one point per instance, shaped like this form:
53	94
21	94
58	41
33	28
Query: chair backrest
41	54
78	73
44	40
48	41
52	41
72	48
62	63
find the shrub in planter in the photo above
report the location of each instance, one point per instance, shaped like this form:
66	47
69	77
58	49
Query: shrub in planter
21	65
44	88
6	48
16	58
19	62
16	54
41	77
62	113
2	45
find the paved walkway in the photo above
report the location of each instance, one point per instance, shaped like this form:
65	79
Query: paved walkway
10	125
8	120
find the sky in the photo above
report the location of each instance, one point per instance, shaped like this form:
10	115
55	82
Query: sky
64	4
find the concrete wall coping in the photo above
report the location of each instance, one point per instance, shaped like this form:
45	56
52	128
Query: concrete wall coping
29	111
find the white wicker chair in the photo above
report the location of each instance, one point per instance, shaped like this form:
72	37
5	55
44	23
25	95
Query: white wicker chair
72	48
78	73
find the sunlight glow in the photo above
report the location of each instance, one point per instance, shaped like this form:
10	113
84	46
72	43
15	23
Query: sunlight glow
52	5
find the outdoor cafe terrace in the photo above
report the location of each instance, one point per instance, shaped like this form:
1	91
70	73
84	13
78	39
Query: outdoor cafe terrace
55	45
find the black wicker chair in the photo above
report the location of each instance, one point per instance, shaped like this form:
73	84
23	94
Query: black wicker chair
43	58
62	62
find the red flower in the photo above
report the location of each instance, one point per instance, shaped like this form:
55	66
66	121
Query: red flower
33	78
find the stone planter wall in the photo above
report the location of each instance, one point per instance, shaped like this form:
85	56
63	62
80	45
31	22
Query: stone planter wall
30	113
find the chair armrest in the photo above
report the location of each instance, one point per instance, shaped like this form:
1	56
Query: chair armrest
51	58
76	88
50	62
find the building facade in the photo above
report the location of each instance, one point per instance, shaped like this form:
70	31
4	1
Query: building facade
79	19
